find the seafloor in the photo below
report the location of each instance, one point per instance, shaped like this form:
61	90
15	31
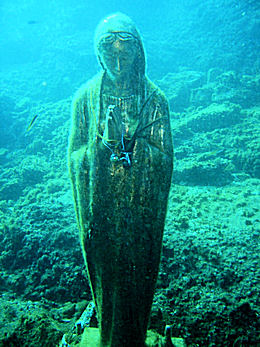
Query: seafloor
208	287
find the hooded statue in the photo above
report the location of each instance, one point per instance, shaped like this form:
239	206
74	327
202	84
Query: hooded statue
120	160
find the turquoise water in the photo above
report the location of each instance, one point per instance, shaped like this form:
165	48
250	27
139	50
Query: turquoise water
205	57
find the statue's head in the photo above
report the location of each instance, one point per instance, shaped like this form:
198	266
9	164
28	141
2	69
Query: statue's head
119	47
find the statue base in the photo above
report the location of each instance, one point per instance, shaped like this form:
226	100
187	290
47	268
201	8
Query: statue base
90	338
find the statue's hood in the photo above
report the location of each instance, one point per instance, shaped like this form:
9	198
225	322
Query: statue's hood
119	22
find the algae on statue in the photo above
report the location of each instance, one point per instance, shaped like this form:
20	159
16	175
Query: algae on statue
121	184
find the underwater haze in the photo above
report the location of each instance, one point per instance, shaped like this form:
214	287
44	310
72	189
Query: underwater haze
205	56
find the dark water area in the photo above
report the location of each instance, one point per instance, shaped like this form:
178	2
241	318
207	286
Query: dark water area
205	56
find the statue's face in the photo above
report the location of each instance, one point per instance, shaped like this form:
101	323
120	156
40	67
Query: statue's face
118	53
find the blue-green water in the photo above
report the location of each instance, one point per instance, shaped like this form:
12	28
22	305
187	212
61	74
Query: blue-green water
205	57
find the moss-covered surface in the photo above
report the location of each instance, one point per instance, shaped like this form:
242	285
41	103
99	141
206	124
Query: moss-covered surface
209	277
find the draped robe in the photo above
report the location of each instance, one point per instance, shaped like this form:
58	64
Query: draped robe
121	211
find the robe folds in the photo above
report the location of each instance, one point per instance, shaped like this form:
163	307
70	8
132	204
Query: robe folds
121	210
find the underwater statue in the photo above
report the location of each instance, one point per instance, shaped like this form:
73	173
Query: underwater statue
120	164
